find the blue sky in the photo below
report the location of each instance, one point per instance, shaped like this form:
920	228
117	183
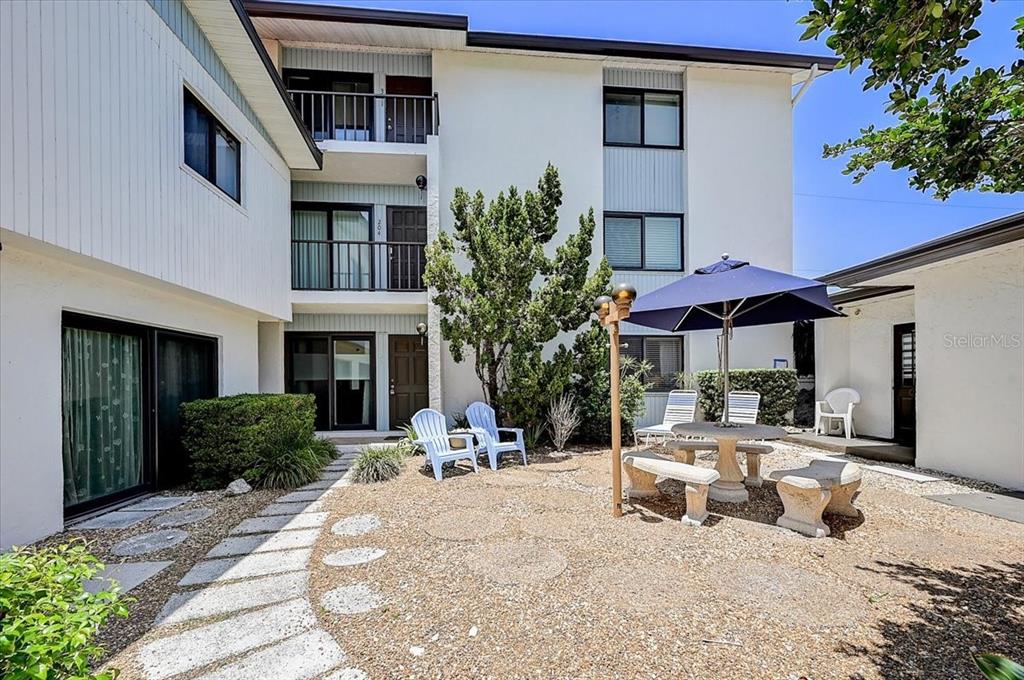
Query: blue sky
836	222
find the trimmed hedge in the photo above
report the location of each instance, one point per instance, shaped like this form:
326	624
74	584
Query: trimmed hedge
266	439
777	387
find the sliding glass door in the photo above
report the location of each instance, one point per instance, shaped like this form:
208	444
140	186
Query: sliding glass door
338	370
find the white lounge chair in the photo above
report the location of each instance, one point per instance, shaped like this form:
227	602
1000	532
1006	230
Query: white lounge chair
837	406
435	439
484	424
743	407
681	408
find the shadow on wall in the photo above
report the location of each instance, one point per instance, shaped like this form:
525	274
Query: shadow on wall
966	611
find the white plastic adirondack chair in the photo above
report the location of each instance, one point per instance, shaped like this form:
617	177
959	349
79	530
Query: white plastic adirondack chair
485	425
743	407
681	407
434	438
838	405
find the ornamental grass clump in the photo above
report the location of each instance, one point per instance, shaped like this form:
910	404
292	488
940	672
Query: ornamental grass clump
378	464
48	622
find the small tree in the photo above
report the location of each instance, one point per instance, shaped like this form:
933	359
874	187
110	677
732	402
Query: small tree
514	297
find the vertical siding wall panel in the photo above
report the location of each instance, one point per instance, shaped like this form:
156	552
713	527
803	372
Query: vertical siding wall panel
647	180
377	194
91	128
393	324
394	64
654	80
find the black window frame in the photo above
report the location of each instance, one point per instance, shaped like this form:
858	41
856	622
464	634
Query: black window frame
329	208
629	339
643	92
642	216
214	125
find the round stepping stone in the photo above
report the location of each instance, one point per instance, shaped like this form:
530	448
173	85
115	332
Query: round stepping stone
180	518
348	674
516	562
355	599
151	542
560	526
353	556
356	525
464	525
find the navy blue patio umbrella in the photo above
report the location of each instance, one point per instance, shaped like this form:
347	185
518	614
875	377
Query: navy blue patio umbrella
731	293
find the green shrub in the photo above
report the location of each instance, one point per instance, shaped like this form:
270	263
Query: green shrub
378	464
47	620
265	438
777	387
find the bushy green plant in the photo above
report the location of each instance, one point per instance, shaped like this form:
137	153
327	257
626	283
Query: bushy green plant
268	439
591	387
996	667
48	622
777	387
378	464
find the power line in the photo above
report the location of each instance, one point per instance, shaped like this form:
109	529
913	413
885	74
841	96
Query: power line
914	203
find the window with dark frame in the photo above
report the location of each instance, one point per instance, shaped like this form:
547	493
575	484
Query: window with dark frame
644	241
647	118
210	149
664	353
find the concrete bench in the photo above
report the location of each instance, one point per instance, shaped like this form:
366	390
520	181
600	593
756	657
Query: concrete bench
822	486
685	450
644	467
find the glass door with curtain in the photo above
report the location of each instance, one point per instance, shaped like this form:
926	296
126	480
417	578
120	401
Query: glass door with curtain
352	261
105	388
310	250
353	369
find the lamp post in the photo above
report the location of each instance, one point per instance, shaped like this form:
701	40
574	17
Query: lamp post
610	311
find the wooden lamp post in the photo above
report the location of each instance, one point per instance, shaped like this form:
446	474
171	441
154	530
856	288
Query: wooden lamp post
610	311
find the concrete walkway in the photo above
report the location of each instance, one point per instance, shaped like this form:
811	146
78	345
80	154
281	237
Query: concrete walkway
246	608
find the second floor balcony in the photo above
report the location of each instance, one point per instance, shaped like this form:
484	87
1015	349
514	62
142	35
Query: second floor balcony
367	117
389	266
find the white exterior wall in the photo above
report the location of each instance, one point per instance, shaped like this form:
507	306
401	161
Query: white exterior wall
970	390
739	173
503	117
91	97
857	352
34	290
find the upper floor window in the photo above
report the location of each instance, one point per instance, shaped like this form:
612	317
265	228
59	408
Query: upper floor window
644	241
643	118
664	353
210	149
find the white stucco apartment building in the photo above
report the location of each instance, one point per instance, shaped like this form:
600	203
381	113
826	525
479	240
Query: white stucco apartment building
203	197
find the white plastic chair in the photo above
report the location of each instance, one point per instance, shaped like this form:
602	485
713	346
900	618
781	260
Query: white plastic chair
681	408
435	439
485	425
743	407
837	406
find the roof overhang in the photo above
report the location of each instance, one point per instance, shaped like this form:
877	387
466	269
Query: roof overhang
228	28
988	235
845	297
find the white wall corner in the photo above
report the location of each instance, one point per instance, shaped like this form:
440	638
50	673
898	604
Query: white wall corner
433	313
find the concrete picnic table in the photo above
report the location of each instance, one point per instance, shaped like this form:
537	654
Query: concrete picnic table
729	487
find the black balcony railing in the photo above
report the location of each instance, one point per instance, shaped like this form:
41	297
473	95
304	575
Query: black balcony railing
361	117
357	265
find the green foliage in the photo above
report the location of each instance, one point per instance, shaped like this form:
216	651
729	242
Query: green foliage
514	297
591	386
378	464
777	387
533	433
960	136
48	622
265	438
996	667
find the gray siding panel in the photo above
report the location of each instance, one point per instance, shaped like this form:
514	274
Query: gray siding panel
647	180
377	194
392	324
358	62
653	80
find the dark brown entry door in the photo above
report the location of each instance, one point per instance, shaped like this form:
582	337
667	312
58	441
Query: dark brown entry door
904	381
409	118
407	356
408	227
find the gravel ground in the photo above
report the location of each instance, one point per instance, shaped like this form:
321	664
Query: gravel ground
150	596
525	574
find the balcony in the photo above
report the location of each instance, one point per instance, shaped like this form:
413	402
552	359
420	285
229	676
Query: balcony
358	117
376	266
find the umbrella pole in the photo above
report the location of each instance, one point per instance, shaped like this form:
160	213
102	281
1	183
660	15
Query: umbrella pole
726	323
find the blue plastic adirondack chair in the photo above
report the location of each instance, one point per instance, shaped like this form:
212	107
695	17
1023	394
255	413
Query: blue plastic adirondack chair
485	426
434	438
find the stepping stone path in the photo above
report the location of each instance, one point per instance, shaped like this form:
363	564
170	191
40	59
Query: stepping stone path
181	518
464	525
247	602
127	575
143	544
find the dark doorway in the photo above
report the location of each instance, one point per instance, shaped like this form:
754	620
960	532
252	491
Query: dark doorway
333	104
407	230
904	382
407	356
338	371
409	114
308	371
186	370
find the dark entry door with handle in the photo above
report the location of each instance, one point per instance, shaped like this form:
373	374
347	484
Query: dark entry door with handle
904	383
407	370
407	232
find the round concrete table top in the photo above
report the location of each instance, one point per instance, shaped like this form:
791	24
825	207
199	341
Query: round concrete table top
735	432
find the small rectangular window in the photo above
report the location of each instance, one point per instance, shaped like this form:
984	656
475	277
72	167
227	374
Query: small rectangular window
622	245
210	149
622	118
643	118
663	354
648	242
